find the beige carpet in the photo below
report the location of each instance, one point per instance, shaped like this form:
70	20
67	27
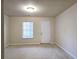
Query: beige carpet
42	51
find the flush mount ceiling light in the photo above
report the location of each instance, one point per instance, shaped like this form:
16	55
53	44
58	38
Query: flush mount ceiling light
30	8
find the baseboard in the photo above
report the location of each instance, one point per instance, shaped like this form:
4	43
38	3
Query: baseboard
5	46
47	43
66	51
23	43
52	43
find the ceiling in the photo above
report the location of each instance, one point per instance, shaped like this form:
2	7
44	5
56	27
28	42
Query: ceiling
45	7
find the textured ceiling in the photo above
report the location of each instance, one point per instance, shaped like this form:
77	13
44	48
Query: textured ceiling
45	7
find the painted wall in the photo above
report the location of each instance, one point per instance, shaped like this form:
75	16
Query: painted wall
6	30
16	30
66	30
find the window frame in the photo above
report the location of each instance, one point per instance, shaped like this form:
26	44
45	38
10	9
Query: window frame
33	30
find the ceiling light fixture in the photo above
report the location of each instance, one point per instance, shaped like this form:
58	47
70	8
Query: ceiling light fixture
30	8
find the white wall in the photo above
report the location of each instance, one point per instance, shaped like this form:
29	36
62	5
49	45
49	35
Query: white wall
6	30
66	30
47	31
16	30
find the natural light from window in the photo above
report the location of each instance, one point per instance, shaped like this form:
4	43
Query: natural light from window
27	29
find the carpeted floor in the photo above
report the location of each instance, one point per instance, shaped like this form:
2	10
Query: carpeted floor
42	51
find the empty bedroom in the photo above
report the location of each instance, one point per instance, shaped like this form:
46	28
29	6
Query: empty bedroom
40	29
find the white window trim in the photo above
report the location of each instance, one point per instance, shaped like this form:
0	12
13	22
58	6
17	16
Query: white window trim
22	30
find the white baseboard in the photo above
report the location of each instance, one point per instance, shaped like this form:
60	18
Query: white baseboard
66	51
23	43
29	43
52	43
5	46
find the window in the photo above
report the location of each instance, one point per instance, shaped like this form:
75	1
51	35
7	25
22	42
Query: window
27	29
